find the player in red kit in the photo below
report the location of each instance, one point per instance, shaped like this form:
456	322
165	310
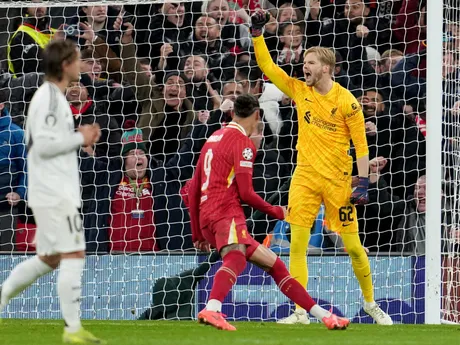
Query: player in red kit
222	180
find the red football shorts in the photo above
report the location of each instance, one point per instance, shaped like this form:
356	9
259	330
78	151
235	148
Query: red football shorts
229	230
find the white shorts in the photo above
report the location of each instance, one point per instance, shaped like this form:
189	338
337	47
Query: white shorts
59	230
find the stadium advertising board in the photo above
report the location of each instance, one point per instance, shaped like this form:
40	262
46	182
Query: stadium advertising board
114	286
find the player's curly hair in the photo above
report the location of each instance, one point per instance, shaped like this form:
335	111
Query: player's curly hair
246	105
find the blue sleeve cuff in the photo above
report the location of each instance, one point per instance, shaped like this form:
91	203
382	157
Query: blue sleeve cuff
22	192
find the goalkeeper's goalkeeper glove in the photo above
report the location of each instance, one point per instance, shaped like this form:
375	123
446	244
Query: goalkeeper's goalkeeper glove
359	195
258	21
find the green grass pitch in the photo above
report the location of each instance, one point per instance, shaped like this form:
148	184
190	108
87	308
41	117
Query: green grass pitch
41	332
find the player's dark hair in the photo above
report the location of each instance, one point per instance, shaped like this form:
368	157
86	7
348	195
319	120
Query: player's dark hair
246	105
55	54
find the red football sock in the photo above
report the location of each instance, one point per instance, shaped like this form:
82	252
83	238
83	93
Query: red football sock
225	278
290	287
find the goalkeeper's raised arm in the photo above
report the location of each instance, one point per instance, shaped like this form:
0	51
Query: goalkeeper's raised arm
276	75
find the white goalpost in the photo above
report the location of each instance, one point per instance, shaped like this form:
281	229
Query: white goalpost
433	157
175	86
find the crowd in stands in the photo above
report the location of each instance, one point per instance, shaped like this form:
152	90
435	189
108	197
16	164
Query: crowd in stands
159	79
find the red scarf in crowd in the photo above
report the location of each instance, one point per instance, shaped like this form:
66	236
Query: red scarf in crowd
77	112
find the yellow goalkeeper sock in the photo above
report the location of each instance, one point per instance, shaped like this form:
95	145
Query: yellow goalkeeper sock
300	236
360	263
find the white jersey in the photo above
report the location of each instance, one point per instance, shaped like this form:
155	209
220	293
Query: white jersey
52	142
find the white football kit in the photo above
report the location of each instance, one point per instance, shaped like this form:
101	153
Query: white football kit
53	177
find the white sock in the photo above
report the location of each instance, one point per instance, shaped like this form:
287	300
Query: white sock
69	291
319	312
22	276
214	305
368	305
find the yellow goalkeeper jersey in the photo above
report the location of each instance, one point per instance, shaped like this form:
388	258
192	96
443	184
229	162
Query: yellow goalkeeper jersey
326	122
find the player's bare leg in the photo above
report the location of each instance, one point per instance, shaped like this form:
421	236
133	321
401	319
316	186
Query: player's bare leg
362	270
234	262
271	263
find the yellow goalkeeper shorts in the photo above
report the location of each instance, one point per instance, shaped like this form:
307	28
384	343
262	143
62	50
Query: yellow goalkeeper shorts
309	189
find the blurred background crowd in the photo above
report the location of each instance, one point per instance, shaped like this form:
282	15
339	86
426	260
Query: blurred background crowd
160	79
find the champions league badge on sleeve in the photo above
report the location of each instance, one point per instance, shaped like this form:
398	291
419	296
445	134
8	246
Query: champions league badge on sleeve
247	154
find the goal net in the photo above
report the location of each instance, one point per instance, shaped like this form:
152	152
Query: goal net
162	83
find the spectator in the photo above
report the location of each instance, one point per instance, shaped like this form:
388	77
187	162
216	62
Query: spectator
123	105
408	149
234	36
132	227
351	33
166	113
165	28
27	43
314	24
407	216
94	42
12	172
373	58
146	67
21	91
24	51
161	190
250	76
342	78
288	134
389	60
96	68
223	115
290	50
374	31
231	90
86	111
90	64
100	88
206	40
203	94
408	82
378	122
410	26
287	13
101	19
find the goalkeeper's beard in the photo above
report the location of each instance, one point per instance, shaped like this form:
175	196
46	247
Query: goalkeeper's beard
315	78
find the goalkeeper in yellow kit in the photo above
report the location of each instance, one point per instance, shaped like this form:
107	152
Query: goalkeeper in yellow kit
329	116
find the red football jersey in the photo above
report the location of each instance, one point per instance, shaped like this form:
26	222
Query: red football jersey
227	152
